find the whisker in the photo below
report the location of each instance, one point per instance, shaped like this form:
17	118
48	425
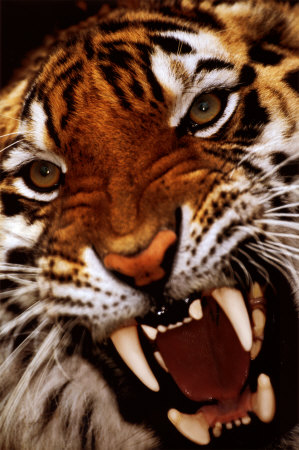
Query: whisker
30	313
281	223
9	117
13	143
288	206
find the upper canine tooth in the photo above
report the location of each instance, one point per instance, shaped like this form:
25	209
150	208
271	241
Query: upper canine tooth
195	310
263	401
193	426
150	332
126	342
232	303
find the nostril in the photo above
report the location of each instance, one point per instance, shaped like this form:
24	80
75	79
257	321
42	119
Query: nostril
145	267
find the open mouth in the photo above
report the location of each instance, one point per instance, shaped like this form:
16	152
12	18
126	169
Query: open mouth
207	344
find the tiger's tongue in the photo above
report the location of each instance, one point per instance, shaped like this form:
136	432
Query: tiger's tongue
205	357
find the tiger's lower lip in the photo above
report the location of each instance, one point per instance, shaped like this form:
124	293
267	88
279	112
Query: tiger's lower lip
249	331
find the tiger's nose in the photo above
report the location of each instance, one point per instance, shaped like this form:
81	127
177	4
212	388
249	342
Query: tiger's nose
145	267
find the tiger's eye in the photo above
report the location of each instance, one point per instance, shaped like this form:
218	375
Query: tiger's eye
44	174
205	108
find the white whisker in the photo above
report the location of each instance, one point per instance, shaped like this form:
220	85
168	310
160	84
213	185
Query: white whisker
13	143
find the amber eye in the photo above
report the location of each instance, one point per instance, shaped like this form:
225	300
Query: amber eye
205	108
44	174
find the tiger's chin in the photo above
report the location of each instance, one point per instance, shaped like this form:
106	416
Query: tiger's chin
211	357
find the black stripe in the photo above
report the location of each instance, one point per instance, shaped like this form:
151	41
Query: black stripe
254	117
85	423
137	89
144	53
62	60
88	47
28	101
154	84
121	58
11	204
52	403
49	123
247	75
255	170
20	255
292	79
69	71
212	64
112	78
154	25
68	95
172	45
263	56
198	16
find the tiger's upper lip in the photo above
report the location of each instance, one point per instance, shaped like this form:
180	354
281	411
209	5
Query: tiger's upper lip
247	319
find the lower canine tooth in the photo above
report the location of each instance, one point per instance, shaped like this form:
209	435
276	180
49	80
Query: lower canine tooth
193	426
259	321
195	310
256	291
255	349
126	342
263	401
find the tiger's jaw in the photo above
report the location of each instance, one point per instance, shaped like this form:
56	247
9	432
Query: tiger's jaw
206	344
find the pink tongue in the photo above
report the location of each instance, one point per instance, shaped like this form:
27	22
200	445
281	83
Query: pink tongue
205	357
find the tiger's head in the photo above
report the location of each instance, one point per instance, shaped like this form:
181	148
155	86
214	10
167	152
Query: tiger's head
149	205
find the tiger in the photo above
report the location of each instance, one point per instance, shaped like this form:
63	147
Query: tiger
149	229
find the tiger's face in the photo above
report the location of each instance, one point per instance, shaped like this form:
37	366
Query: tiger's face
148	223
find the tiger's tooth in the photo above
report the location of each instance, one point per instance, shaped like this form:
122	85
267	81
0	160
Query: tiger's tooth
232	303
259	321
195	310
263	401
187	320
255	349
150	332
193	426
217	429
246	420
161	328
256	291
160	360
126	342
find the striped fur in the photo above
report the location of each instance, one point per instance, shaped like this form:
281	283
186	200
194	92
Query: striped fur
108	103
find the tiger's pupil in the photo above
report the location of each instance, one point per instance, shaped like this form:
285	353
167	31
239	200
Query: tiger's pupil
44	171
203	106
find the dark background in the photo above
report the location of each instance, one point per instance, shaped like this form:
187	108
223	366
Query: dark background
24	23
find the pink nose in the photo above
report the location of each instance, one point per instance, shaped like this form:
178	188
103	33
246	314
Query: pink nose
146	266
